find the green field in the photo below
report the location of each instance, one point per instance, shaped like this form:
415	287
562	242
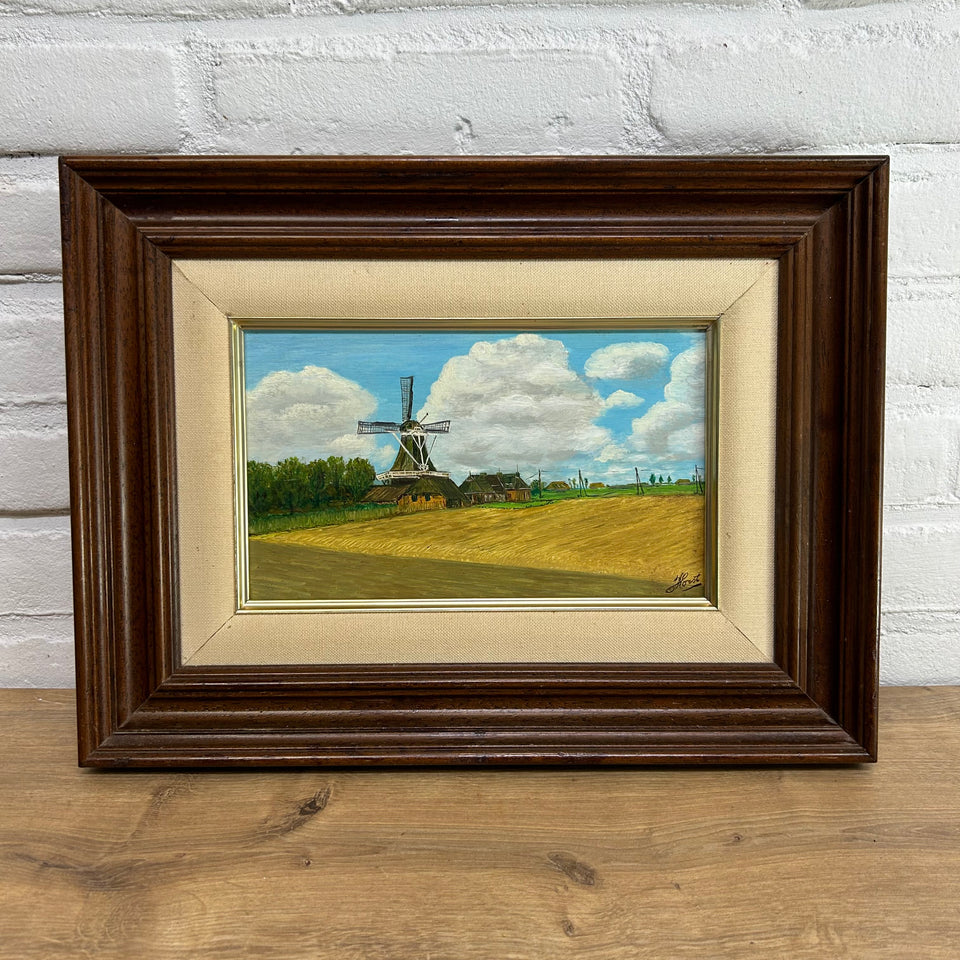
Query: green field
324	517
556	496
626	490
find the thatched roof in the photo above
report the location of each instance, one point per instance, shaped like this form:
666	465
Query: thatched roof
386	492
495	483
415	487
443	486
483	483
516	482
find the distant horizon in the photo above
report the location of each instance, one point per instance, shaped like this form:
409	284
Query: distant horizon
644	479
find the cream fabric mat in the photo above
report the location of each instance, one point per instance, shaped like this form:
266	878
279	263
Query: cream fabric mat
742	293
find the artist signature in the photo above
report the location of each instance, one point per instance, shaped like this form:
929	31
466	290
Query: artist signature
684	582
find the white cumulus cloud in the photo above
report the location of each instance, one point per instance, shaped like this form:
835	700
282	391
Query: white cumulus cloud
514	401
627	361
612	452
672	430
309	414
622	398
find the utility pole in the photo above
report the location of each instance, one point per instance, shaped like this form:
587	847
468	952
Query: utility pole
539	484
639	484
580	475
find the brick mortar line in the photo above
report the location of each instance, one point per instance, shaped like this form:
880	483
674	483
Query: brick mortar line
35	616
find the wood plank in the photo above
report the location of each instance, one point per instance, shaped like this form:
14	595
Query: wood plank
599	864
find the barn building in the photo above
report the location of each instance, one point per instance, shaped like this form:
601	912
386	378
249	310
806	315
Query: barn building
422	493
495	488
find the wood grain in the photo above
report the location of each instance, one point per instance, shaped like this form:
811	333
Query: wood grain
811	863
823	217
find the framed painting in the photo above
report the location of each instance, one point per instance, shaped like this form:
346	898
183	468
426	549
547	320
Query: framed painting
500	460
323	499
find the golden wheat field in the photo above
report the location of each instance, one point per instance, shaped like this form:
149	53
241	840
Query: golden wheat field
652	538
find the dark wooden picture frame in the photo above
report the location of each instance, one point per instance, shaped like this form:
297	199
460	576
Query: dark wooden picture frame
823	219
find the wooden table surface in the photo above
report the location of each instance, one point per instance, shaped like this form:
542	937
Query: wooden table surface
605	864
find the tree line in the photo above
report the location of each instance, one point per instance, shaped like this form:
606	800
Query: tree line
293	486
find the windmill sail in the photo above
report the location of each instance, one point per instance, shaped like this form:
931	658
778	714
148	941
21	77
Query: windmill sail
377	426
406	397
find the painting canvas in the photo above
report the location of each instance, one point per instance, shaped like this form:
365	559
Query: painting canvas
475	464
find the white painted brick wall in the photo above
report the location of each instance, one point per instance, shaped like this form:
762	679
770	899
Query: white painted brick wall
37	651
102	99
33	473
914	306
31	344
468	77
36	599
925	212
772	93
914	646
922	448
454	101
844	4
35	577
29	218
199	9
921	561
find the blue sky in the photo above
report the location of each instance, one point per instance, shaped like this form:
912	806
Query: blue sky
375	362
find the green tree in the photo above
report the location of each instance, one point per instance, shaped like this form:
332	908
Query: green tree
661	478
317	482
669	478
653	479
336	469
292	485
358	477
259	487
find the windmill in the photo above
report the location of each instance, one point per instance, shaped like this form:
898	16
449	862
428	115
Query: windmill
413	457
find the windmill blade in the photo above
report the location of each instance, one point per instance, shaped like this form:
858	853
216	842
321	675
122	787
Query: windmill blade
377	426
441	426
406	396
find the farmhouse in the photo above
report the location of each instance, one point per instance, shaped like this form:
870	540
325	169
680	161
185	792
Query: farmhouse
416	494
495	488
